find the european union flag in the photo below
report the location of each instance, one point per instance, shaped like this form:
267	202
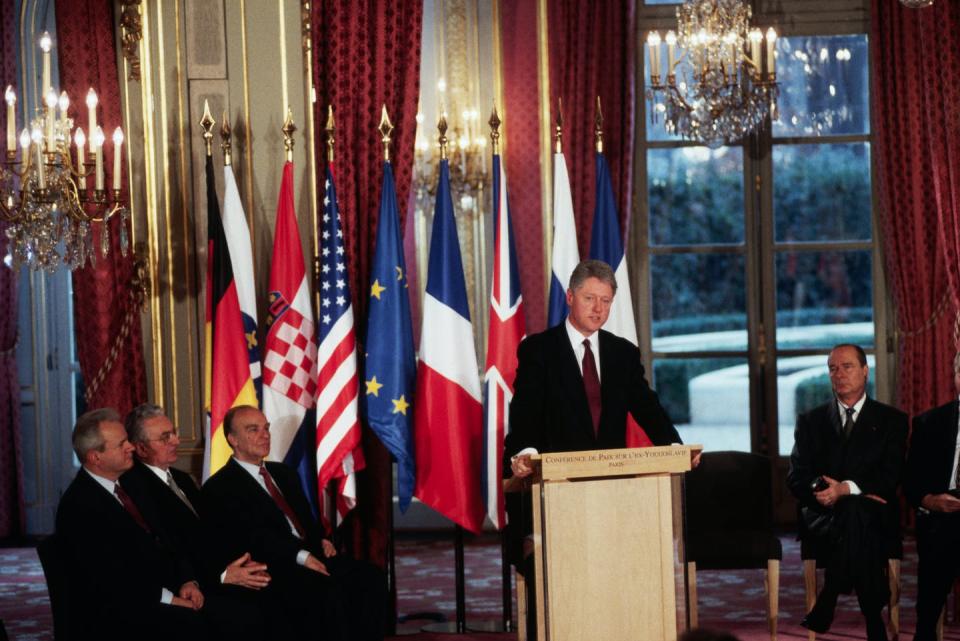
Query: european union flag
390	371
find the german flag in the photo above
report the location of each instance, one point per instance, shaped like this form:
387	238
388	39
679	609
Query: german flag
227	380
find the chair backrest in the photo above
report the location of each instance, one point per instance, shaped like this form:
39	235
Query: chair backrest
729	512
51	556
729	490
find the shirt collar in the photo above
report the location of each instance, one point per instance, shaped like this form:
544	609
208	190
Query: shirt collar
160	472
856	406
576	338
253	470
103	482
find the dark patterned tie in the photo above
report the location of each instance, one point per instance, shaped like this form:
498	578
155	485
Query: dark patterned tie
848	423
130	506
591	385
282	502
180	494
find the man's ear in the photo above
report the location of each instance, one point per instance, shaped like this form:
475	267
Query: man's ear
141	450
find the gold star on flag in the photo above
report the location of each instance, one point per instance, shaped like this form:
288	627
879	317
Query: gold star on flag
376	289
400	405
251	339
373	387
399	272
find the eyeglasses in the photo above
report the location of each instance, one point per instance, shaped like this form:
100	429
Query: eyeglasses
164	438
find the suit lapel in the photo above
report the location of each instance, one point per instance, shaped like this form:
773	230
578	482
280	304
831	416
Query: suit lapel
572	380
836	424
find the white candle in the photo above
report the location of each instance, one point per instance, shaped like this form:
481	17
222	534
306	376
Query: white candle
117	149
755	38
51	116
653	45
81	140
98	157
11	99
771	45
671	51
45	44
25	146
64	105
92	116
37	137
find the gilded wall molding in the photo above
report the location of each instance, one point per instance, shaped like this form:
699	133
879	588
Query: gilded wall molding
131	34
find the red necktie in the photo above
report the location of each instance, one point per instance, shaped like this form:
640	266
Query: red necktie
130	506
282	502
591	385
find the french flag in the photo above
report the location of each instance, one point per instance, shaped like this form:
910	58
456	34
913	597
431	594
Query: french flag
606	245
448	415
507	329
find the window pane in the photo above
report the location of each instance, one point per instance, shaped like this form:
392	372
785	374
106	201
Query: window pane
708	400
824	298
824	85
822	192
698	302
696	195
802	384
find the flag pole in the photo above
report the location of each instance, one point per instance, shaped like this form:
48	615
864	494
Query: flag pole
598	127
329	493
385	129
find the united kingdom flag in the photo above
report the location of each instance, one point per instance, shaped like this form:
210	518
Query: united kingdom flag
338	426
507	329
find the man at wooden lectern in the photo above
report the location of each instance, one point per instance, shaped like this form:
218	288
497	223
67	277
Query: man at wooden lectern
575	386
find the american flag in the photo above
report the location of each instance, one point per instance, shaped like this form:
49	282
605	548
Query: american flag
338	427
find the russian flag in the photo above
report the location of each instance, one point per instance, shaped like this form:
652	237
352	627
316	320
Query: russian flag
448	416
606	245
566	256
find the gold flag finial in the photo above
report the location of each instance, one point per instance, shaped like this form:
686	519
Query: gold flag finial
494	123
225	142
598	127
385	129
330	128
559	130
207	123
288	130
442	128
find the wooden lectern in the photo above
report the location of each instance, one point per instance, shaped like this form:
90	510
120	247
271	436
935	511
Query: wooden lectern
608	544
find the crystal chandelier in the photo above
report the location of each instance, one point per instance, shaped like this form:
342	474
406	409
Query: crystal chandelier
720	81
45	196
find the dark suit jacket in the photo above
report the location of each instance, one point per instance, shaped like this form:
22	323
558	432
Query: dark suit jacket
241	517
550	412
932	447
872	457
116	569
167	512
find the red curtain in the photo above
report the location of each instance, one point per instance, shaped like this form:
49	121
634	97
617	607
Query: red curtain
366	54
916	61
11	461
103	294
592	51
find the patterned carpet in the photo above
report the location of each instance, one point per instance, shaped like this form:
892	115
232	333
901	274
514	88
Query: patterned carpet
732	601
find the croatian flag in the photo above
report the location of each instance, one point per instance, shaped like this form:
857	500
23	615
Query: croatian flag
507	329
566	256
448	422
606	245
290	358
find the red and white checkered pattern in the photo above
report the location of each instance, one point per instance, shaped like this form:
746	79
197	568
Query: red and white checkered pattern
291	358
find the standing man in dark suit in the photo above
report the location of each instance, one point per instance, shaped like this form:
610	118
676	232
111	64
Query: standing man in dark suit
124	579
575	386
844	470
576	383
257	506
932	486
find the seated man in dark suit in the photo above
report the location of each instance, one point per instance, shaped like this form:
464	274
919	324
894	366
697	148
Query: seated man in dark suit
844	470
259	507
125	581
171	500
932	486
